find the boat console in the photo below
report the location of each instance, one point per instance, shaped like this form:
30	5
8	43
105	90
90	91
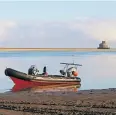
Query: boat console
70	71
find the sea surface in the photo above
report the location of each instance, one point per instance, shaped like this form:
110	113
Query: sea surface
98	70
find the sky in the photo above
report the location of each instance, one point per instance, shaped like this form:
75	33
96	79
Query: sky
57	23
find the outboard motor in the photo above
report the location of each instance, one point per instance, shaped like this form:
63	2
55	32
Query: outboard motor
33	70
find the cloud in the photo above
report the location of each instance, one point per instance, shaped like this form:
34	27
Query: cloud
82	32
5	27
97	28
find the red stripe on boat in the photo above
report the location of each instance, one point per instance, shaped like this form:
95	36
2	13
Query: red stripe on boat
20	84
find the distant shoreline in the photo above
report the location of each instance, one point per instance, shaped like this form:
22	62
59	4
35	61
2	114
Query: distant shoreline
60	49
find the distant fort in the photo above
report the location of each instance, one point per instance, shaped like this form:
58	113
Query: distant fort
103	45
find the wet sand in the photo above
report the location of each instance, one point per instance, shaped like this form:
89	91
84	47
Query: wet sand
60	49
89	102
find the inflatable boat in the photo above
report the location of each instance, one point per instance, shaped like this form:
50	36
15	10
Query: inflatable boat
30	79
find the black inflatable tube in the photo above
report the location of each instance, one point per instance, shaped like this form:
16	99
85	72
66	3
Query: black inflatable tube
13	73
20	75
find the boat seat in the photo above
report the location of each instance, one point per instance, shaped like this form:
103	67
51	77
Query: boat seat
30	71
62	72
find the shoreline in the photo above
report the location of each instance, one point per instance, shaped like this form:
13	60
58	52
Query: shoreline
97	102
60	49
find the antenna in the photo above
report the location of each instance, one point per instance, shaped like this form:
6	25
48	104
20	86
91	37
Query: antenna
73	58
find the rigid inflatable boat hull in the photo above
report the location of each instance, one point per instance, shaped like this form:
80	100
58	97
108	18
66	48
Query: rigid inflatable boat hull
45	88
24	80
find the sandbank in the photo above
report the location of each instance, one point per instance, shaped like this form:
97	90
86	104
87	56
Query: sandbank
60	49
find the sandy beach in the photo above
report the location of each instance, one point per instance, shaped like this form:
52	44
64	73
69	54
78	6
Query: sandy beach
60	49
89	102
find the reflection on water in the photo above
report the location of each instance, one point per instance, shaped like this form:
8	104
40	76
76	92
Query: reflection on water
49	88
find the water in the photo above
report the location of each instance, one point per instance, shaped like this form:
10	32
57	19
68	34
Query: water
98	70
